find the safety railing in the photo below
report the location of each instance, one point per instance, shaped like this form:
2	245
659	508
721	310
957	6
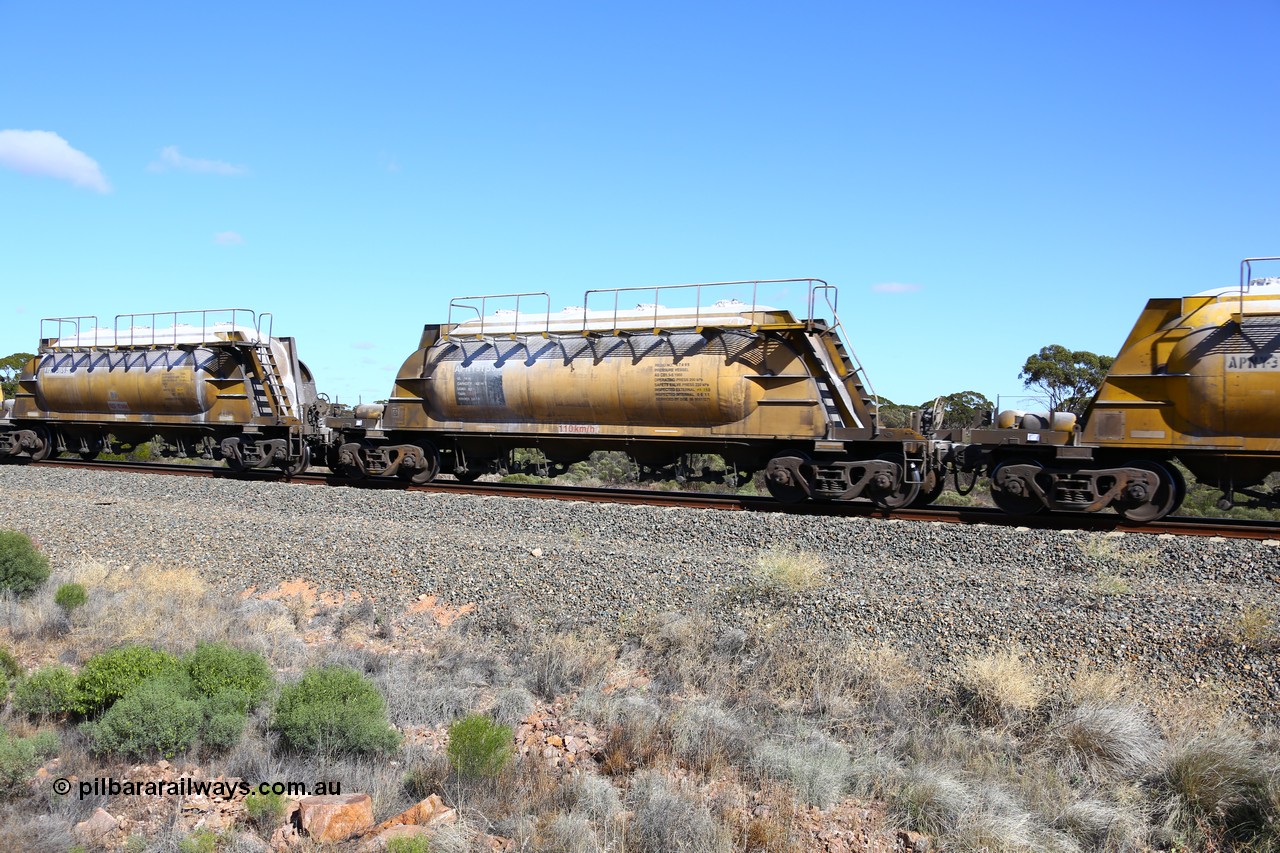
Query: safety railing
488	325
58	324
749	288
197	326
1246	278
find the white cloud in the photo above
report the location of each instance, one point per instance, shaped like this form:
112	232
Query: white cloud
171	158
228	238
894	287
363	345
42	152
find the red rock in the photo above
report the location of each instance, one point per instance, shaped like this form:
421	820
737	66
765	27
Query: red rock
430	812
98	826
914	842
335	817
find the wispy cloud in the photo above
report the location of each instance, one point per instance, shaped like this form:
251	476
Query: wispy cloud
894	287
363	345
43	152
228	238
171	158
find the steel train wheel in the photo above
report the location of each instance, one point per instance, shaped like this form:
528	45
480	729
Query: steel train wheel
45	439
1167	497
931	487
781	477
425	474
1012	501
902	493
302	463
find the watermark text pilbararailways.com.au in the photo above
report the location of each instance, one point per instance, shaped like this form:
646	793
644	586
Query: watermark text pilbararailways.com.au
185	787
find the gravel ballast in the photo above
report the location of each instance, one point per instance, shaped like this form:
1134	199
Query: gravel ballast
1168	608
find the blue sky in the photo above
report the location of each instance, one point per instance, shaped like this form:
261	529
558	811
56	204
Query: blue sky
978	179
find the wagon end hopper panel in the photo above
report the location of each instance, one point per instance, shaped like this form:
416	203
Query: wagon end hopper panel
715	383
1205	378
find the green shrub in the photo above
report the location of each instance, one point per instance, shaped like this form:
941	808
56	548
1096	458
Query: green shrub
108	676
20	756
22	567
217	667
47	692
70	596
225	716
157	717
10	669
410	844
200	841
478	746
334	708
265	810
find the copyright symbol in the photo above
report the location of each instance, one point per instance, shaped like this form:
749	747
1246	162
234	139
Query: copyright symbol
61	786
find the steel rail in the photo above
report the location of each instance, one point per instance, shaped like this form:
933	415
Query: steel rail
1097	522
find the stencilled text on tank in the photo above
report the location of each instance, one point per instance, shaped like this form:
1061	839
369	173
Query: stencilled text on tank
1252	363
175	385
478	385
679	382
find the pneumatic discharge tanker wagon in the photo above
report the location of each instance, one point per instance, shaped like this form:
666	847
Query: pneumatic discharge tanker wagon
210	383
1197	381
729	376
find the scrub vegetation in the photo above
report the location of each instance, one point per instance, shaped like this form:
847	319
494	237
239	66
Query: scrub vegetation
671	734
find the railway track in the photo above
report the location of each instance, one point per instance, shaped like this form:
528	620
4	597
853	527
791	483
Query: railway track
1097	522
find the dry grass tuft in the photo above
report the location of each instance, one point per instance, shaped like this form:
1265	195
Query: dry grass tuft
815	766
706	736
167	607
567	663
786	571
1105	548
1104	826
1219	788
1255	628
1107	583
933	801
999	688
1107	740
669	819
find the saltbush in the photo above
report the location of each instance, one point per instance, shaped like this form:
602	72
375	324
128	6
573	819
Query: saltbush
110	675
335	709
225	716
20	756
22	567
478	746
156	717
203	840
47	692
10	669
217	667
70	596
265	810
